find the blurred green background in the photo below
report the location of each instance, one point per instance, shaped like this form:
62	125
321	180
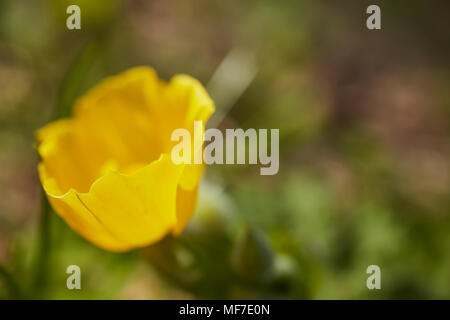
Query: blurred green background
364	119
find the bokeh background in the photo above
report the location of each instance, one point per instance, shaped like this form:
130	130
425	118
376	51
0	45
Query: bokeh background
364	119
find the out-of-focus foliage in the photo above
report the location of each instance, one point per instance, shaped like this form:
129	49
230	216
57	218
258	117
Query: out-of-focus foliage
364	119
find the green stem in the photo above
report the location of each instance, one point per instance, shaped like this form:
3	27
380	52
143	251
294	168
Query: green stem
10	282
41	267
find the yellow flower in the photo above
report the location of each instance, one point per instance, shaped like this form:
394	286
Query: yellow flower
107	170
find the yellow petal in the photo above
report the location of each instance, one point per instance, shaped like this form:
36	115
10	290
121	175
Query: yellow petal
188	92
186	202
124	211
64	158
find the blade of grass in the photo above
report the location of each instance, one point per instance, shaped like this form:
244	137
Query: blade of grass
230	80
72	83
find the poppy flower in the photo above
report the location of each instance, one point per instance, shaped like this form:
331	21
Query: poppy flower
107	170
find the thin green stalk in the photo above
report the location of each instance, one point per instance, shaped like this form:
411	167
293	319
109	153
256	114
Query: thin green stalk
41	267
